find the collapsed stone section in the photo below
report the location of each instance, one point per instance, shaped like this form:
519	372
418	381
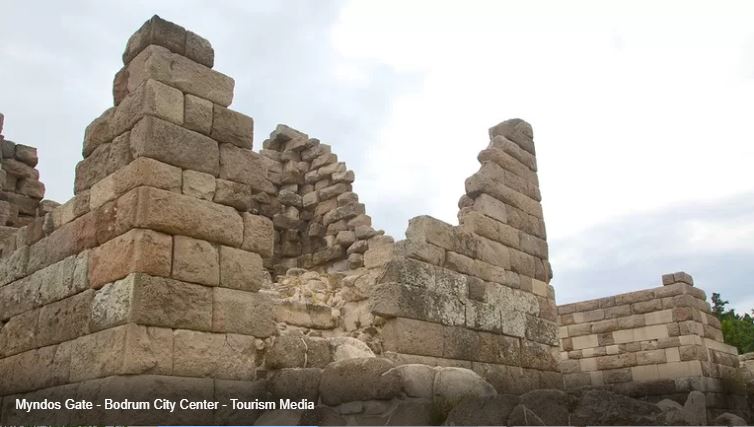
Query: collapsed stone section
319	222
476	294
658	343
21	192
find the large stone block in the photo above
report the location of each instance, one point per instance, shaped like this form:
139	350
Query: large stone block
507	146
153	301
516	130
241	165
490	179
242	312
19	333
65	320
197	114
240	269
71	238
158	63
413	337
258	234
222	356
395	300
199	184
173	213
142	171
174	145
195	261
159	32
143	251
232	127
234	194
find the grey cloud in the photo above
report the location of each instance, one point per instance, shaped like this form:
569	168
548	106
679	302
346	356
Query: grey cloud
632	253
59	59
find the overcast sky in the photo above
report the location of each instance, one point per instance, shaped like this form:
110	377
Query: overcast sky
642	111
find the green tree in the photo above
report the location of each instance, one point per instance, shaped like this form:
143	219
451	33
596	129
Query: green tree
738	330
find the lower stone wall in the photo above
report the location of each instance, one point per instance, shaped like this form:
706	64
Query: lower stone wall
658	343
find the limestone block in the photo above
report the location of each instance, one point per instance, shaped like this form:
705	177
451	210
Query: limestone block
240	269
411	336
296	351
158	63
242	312
19	334
477	223
142	171
489	179
234	194
19	169
156	31
198	184
185	215
359	379
31	188
420	251
306	315
395	300
174	145
199	49
203	354
61	280
240	165
65	320
258	234
97	355
195	261
138	250
154	301
427	229
197	114
148	350
232	127
343	212
509	163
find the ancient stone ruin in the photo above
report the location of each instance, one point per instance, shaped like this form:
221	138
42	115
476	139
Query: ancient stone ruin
189	265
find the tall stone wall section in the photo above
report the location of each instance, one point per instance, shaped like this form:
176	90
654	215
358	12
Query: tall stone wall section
20	188
659	343
476	295
147	279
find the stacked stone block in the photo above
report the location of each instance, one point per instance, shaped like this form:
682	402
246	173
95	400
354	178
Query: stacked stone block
20	189
320	223
147	279
661	343
477	295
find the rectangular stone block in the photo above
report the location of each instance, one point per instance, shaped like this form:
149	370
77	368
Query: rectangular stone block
477	223
195	261
585	341
405	301
411	336
240	269
138	250
70	239
538	356
158	63
234	194
258	234
430	230
197	114
242	312
142	171
232	127
174	145
19	334
490	180
222	356
65	320
241	165
35	369
507	146
14	267
178	214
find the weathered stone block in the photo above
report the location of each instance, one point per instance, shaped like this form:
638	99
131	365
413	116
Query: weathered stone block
242	312
198	184
156	31
241	165
71	238
142	171
396	300
223	356
232	127
258	234
195	261
240	269
158	63
185	215
143	251
413	337
199	49
234	194
197	114
174	145
19	333
64	320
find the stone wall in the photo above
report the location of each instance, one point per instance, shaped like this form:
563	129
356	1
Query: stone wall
476	295
661	343
20	189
